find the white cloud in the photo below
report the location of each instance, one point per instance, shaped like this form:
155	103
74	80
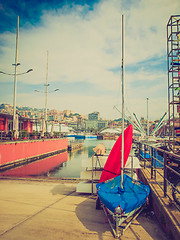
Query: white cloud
83	47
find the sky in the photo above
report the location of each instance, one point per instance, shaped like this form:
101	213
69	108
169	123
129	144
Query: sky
83	42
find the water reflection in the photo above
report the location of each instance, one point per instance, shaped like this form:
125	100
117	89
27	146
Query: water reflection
73	167
64	165
38	168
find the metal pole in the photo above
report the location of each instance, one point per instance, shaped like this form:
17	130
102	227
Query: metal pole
122	153
147	119
129	120
139	124
159	123
165	173
46	92
15	78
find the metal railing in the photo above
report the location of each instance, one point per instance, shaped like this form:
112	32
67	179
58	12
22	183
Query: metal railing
163	166
28	136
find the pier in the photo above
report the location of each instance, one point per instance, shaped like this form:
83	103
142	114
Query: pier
15	150
18	153
24	161
9	163
49	206
167	214
51	209
158	168
75	146
19	159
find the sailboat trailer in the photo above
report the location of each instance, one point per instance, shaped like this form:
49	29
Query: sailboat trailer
122	205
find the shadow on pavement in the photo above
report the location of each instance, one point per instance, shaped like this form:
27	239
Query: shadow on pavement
94	220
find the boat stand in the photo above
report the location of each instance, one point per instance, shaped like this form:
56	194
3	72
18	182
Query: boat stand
96	166
118	222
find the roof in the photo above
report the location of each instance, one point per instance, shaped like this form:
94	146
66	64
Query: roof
10	116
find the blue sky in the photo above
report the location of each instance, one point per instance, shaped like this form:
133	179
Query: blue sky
83	40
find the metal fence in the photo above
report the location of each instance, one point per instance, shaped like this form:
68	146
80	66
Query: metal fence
163	166
24	135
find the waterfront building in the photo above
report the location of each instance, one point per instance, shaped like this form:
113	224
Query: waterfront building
6	123
95	116
96	125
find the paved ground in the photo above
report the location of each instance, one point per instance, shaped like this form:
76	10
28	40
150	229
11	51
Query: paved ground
53	210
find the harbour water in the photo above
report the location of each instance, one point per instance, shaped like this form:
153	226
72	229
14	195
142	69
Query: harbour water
64	165
73	167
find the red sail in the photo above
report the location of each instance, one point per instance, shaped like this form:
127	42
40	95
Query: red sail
112	167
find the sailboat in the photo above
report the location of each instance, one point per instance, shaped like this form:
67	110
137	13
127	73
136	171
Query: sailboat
121	197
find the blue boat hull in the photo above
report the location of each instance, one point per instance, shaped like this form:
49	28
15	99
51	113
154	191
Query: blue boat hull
133	195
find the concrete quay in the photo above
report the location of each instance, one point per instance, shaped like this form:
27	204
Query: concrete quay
51	209
166	212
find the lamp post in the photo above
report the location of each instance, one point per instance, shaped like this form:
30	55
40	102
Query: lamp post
12	74
46	85
14	97
46	92
15	81
15	133
147	119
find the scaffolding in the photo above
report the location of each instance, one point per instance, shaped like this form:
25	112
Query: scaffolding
173	62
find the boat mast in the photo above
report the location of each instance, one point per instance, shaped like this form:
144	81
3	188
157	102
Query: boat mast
122	153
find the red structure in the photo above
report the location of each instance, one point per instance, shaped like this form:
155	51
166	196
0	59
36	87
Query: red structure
173	60
6	123
12	151
38	167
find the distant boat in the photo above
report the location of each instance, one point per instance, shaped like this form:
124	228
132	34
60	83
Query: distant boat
76	136
79	136
90	136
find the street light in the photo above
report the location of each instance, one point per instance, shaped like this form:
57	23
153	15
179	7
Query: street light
12	74
15	132
14	100
147	118
46	93
57	89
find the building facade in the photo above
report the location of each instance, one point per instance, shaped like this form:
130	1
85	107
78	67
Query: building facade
95	116
6	123
96	125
